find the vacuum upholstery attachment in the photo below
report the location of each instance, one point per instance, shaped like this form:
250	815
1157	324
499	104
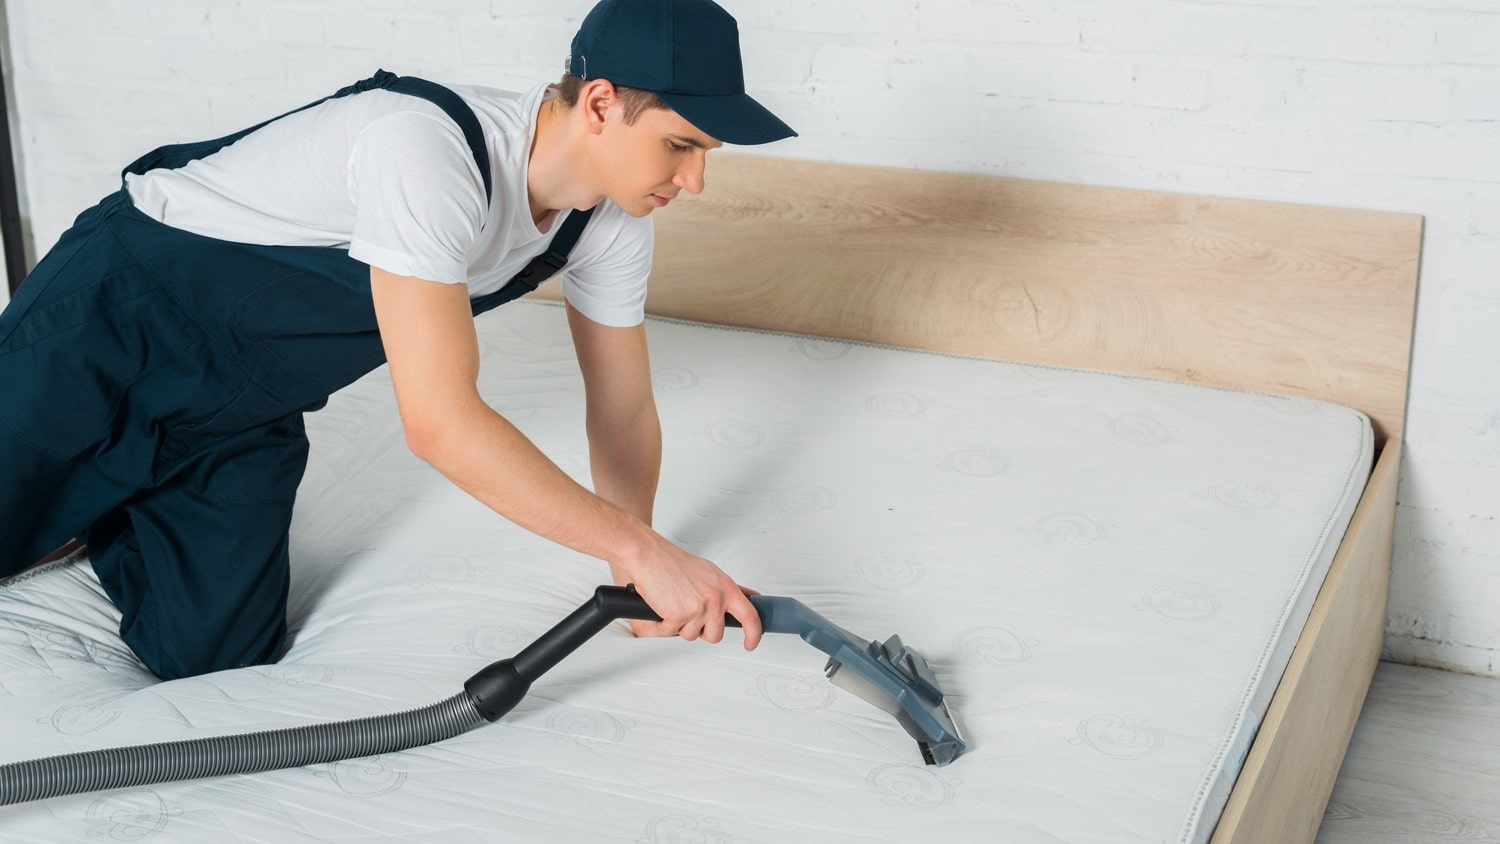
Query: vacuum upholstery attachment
892	676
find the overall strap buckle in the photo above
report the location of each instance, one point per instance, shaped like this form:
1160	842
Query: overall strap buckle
382	79
547	264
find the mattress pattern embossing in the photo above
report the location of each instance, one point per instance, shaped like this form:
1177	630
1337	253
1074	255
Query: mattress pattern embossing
1106	573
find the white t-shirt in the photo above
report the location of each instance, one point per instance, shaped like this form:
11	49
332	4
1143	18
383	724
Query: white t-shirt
390	177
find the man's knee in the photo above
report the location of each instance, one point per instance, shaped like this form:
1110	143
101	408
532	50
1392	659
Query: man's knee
185	610
172	652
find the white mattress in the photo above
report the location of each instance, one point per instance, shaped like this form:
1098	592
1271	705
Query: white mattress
1107	573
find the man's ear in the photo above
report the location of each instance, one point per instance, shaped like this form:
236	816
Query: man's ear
596	98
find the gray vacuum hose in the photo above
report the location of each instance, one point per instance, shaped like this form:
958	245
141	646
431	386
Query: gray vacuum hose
245	753
487	696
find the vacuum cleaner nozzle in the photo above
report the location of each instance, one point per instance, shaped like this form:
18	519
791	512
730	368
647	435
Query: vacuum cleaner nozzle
914	697
891	676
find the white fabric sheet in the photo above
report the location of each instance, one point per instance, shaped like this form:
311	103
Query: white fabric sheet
1107	574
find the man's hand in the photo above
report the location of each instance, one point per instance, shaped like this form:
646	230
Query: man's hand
692	595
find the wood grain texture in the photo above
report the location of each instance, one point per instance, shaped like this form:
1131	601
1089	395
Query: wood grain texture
1290	771
1289	299
1424	762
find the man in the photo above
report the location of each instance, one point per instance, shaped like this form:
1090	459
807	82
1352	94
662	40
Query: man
157	362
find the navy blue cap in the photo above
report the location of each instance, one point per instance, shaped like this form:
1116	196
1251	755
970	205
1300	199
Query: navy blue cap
687	52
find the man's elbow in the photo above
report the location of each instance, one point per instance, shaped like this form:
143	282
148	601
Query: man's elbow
427	437
442	430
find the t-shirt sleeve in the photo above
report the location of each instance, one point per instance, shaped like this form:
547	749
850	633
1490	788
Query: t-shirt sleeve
605	279
418	197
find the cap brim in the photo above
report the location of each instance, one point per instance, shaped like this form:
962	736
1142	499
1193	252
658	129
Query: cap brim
734	119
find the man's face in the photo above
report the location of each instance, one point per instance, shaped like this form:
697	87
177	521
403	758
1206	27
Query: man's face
643	166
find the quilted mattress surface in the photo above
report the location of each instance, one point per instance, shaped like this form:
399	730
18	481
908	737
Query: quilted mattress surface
1106	573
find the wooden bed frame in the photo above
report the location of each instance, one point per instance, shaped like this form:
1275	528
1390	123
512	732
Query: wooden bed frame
1286	299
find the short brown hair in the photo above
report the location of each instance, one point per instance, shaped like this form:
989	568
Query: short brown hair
635	100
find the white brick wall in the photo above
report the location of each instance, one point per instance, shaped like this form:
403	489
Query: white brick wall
1390	104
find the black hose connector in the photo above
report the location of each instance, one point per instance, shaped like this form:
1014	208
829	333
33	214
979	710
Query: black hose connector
497	688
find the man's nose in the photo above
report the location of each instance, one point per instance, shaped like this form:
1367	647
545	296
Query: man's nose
690	177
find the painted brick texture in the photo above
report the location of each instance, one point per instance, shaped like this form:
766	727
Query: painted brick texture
1379	104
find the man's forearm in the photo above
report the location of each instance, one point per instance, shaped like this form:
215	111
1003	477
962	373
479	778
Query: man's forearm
485	455
625	459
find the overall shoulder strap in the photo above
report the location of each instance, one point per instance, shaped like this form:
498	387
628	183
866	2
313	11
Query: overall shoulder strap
459	112
452	105
545	265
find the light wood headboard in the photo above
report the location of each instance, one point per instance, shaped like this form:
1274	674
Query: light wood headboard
1289	299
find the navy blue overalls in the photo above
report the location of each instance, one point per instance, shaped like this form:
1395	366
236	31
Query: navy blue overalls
152	386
